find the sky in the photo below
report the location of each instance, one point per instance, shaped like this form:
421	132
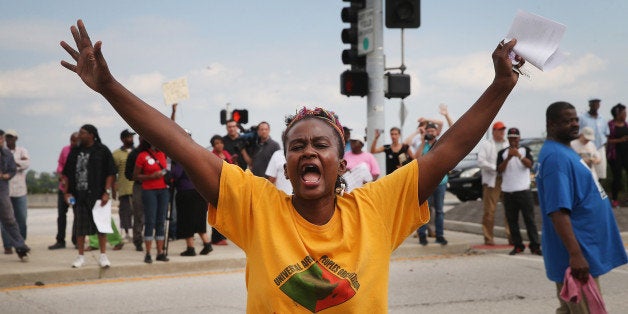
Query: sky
273	57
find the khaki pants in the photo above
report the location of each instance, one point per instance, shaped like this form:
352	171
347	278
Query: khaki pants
490	197
574	308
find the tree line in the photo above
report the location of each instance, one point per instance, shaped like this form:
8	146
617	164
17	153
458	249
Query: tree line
40	183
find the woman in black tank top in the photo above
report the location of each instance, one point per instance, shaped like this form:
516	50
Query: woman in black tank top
397	154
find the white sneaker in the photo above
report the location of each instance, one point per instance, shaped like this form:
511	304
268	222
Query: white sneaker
78	262
104	261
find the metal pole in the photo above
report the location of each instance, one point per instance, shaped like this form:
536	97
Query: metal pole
375	67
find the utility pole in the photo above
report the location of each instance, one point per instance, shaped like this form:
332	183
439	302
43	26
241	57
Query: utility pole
366	57
375	118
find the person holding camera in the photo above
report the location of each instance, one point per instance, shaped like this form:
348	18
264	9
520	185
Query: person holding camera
437	199
258	156
514	163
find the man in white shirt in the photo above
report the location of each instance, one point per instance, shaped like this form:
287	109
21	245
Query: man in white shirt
514	163
600	128
491	180
275	172
584	146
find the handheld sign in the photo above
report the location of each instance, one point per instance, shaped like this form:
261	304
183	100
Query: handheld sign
176	91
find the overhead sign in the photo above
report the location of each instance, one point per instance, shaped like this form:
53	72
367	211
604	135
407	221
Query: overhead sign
176	91
365	31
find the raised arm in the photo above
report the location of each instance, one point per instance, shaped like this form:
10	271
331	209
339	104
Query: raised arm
374	148
442	108
173	114
410	138
203	167
465	133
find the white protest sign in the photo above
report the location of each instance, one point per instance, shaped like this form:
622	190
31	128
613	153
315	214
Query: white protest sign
176	91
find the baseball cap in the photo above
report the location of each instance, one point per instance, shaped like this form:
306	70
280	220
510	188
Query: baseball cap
588	133
126	133
11	132
357	135
499	125
513	132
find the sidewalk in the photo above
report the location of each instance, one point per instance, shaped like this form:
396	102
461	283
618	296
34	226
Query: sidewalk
53	266
463	231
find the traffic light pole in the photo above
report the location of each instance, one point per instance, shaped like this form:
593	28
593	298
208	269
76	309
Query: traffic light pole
375	68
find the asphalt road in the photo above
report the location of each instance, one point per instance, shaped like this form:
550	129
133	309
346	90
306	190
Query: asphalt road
479	283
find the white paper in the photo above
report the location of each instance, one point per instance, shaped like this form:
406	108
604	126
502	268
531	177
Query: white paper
538	40
357	176
102	217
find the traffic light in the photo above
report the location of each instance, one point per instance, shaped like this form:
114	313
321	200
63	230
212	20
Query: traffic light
353	82
403	13
223	116
240	116
350	35
397	85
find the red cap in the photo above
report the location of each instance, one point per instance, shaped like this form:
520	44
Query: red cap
499	125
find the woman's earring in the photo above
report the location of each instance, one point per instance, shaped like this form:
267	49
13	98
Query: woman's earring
340	190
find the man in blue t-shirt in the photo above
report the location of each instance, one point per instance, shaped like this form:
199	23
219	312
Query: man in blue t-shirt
579	228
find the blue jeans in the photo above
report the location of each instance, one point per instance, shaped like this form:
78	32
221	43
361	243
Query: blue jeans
19	209
7	220
436	201
155	211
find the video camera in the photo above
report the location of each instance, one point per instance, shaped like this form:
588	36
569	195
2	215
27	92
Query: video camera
247	138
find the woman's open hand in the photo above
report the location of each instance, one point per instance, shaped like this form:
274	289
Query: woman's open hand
90	66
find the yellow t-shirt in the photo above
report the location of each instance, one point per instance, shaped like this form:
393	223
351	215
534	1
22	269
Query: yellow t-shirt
294	266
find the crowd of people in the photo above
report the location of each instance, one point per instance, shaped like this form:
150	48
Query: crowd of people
326	234
152	190
334	226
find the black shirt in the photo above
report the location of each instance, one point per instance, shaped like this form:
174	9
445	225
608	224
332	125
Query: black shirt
87	169
396	159
262	153
230	147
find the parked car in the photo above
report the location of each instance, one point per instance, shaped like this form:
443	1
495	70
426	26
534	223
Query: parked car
465	180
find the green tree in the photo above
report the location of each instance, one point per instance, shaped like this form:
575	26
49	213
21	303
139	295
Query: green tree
41	183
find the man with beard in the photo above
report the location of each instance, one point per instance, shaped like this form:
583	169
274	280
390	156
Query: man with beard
89	175
580	234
